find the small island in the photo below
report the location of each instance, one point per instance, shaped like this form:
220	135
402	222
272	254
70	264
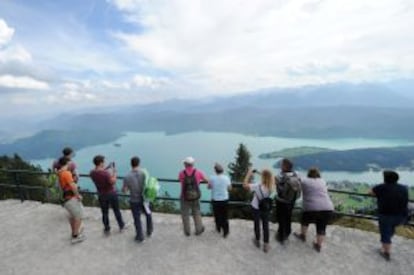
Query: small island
294	152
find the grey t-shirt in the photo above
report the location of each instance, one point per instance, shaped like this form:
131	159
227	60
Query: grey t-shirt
135	181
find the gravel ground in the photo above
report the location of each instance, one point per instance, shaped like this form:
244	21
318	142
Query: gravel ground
35	239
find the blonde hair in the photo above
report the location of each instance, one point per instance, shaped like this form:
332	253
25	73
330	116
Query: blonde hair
268	180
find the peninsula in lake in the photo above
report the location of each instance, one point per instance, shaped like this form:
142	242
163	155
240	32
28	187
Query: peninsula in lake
355	160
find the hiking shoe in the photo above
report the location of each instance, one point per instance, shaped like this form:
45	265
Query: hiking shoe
200	232
266	247
300	236
385	255
256	242
317	247
78	239
139	240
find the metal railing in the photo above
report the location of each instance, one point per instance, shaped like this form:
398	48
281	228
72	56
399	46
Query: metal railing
20	187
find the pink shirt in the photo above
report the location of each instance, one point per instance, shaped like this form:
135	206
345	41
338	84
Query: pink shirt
189	170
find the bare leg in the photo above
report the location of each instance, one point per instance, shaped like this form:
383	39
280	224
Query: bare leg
320	239
304	230
386	247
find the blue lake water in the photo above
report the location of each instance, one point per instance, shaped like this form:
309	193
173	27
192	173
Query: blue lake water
162	154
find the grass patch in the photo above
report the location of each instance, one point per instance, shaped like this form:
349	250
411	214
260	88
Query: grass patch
372	226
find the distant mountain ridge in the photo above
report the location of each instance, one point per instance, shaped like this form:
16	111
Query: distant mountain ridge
339	110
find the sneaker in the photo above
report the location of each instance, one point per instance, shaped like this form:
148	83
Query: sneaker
139	240
78	239
256	242
266	247
125	227
300	236
107	232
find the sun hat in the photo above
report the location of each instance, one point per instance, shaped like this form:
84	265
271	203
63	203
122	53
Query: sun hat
189	160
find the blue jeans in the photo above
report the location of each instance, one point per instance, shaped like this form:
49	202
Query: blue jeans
264	217
387	226
106	200
136	208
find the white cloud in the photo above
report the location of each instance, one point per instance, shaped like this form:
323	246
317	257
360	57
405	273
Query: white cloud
10	51
238	45
146	81
22	82
6	33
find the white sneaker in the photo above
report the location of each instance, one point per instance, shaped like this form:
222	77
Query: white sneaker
78	239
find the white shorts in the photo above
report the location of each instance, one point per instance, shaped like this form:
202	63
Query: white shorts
74	207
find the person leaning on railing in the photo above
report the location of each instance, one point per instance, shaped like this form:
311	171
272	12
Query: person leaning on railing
220	185
317	207
392	201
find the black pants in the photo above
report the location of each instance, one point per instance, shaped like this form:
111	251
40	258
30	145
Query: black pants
106	200
264	217
284	218
220	216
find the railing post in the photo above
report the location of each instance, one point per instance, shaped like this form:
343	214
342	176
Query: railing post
17	182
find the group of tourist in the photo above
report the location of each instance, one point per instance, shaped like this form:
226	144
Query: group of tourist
285	188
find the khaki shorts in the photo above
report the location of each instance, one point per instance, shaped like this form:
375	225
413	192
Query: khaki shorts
75	208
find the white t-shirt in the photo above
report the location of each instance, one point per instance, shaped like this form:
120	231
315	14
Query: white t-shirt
254	187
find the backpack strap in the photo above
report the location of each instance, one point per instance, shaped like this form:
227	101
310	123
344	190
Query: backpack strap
261	192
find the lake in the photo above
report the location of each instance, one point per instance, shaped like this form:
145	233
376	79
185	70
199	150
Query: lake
162	154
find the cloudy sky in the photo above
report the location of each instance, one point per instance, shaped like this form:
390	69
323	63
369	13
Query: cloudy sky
58	55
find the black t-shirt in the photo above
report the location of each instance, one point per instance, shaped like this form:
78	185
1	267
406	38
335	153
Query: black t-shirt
392	199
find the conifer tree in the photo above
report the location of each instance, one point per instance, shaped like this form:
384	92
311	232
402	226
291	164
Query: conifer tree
238	169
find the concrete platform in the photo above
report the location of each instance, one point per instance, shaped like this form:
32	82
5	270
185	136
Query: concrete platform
35	240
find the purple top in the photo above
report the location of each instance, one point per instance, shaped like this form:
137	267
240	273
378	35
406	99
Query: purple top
102	180
315	195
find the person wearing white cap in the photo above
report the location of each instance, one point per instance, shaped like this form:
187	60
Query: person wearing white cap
190	179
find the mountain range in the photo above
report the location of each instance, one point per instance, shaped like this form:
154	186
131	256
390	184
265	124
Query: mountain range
339	110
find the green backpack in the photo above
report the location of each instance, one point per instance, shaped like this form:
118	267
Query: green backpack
151	187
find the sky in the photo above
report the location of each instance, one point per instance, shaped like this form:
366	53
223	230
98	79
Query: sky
57	56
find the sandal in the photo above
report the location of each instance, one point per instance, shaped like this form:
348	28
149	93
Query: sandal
317	247
385	255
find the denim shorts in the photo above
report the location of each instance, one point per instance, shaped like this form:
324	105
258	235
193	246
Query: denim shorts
387	226
74	207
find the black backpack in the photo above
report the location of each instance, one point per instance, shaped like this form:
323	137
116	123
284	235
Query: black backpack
191	190
265	203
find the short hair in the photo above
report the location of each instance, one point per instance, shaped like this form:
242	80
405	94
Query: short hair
218	168
97	160
63	161
314	173
135	161
67	151
390	176
287	165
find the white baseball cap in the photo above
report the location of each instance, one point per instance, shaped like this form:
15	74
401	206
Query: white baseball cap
189	160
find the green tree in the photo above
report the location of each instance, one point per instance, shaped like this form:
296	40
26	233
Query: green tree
32	179
239	167
238	170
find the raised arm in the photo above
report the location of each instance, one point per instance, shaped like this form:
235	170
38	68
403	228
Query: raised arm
246	180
